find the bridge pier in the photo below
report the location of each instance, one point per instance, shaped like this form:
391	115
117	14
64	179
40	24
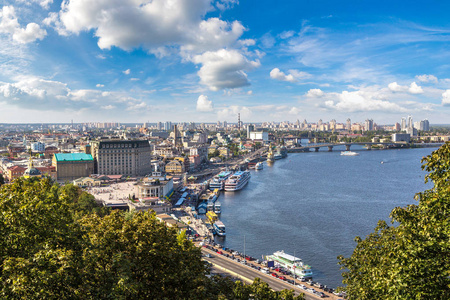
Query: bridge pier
369	147
330	148
316	149
385	146
347	147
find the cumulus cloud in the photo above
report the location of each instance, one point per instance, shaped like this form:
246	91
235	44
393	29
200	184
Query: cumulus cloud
315	93
152	24
204	104
412	89
224	69
415	89
43	3
277	74
361	100
232	111
127	72
427	78
395	87
294	111
36	93
10	25
99	85
446	98
294	75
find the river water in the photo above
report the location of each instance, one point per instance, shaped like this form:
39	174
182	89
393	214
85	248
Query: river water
315	204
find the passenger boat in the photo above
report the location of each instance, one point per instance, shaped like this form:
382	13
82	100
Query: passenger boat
217	207
259	166
294	264
237	181
349	153
219	228
277	156
210	206
218	181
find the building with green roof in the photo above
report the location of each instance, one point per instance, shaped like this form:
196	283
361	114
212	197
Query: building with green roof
70	166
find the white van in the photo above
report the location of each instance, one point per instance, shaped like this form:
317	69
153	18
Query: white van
265	270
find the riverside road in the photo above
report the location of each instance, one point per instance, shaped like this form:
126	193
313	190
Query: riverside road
248	274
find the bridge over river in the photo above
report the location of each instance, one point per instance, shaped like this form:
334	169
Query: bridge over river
368	145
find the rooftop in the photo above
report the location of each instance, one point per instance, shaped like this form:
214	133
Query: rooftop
73	157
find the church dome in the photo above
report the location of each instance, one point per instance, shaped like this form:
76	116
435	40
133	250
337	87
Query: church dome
32	172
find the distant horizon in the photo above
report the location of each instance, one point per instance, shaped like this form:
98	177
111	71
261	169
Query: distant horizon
187	122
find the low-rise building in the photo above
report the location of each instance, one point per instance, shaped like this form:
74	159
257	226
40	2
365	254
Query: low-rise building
70	166
87	181
151	203
15	172
157	185
401	137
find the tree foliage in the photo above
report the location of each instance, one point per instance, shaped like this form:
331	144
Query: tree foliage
55	245
409	259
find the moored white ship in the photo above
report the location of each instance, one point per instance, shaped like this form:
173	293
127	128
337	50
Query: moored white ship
217	207
294	264
218	181
237	181
219	228
259	166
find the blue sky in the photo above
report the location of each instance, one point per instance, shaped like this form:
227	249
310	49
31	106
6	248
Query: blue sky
207	61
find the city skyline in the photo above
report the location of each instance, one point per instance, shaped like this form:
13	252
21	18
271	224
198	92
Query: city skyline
206	61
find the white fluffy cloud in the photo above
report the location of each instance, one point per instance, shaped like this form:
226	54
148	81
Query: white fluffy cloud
427	78
152	24
412	89
36	93
224	69
231	113
10	25
361	101
293	76
446	98
43	3
315	93
204	104
277	74
415	89
126	72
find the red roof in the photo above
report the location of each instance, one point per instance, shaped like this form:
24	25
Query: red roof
17	168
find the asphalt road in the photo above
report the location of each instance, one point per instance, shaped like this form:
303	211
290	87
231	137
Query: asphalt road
249	274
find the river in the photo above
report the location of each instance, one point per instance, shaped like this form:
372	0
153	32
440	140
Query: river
314	204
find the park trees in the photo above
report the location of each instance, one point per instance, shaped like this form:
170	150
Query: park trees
410	258
51	248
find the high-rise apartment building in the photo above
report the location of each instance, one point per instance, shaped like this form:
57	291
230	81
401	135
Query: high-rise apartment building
122	157
403	128
369	125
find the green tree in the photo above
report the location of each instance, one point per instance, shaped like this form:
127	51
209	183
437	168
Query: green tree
2	179
409	259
